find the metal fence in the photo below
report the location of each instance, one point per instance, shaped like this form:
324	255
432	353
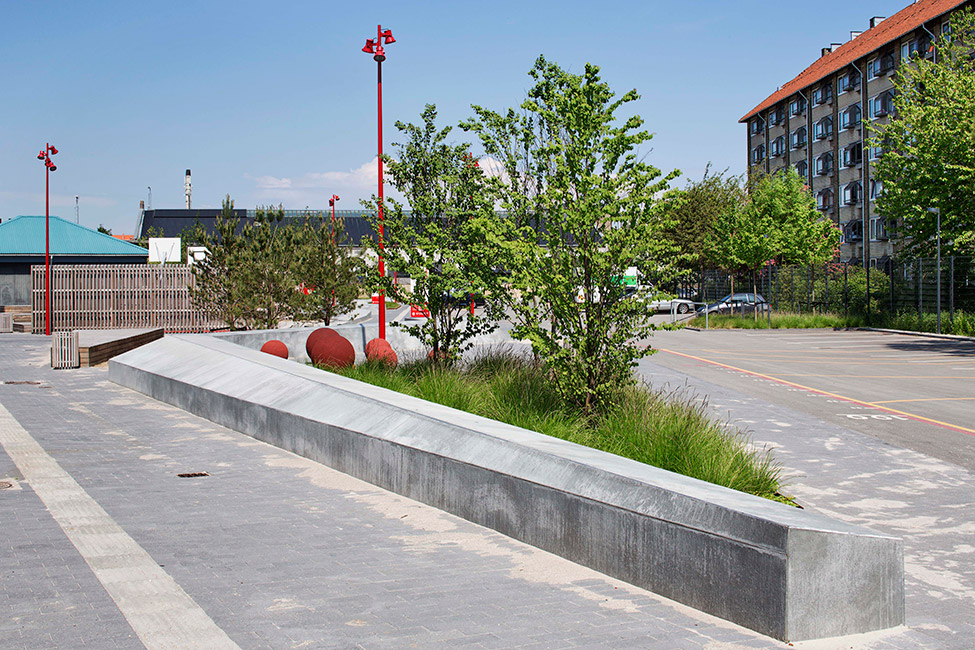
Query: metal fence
105	296
900	287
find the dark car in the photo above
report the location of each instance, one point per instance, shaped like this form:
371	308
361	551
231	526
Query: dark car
737	303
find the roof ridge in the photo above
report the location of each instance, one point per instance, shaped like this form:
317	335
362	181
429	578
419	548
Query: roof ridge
906	20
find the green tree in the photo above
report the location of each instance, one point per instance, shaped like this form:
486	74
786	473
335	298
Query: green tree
929	146
327	268
776	222
438	242
695	211
582	208
268	271
220	279
103	230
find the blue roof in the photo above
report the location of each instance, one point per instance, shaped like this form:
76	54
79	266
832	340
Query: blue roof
24	236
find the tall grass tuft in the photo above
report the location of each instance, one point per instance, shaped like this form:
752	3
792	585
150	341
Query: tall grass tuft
671	431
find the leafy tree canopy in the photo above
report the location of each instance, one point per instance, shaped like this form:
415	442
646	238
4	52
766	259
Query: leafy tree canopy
929	146
582	207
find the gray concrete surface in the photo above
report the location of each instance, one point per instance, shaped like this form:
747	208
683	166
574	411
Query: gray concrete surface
781	571
915	392
866	470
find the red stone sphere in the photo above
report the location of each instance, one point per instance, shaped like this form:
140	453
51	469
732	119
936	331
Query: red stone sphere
276	348
375	344
316	336
333	352
385	355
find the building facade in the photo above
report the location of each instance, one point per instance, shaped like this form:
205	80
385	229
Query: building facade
818	123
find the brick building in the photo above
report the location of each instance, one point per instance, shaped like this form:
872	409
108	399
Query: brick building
816	122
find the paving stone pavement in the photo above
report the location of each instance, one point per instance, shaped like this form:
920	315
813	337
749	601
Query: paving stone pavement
281	552
845	474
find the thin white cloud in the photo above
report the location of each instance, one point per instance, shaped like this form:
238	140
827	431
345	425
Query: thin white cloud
313	189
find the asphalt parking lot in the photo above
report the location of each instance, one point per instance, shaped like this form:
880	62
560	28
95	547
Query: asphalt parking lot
914	392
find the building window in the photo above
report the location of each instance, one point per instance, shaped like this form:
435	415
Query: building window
824	164
758	154
853	155
801	169
853	230
876	153
799	137
824	128
882	104
822	94
917	47
880	66
850	118
757	126
878	229
876	189
824	200
775	116
777	147
849	81
797	106
851	193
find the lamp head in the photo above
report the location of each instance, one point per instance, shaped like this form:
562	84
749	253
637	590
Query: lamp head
52	149
42	155
368	48
388	37
52	166
331	203
380	55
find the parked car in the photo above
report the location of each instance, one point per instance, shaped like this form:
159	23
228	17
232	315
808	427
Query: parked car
738	303
682	305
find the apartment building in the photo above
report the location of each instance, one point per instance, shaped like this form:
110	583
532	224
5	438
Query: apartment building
817	122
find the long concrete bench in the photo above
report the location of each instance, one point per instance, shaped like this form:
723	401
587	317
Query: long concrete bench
787	573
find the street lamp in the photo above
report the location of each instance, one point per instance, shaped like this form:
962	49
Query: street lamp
937	213
45	155
331	202
375	47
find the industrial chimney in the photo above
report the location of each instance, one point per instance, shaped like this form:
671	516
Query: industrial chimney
188	187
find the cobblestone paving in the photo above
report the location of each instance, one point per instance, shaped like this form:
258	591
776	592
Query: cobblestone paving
281	552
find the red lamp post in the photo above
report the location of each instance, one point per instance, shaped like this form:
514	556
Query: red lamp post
45	155
375	47
331	202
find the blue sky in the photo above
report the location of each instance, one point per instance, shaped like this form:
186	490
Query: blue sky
275	103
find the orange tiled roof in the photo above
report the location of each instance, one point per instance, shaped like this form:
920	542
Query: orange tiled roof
904	21
124	237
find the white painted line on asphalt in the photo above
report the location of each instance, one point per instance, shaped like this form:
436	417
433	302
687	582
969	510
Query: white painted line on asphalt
159	611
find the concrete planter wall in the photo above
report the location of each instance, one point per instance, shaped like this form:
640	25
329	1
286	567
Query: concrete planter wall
784	572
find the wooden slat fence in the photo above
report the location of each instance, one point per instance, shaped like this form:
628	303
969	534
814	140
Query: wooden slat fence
107	296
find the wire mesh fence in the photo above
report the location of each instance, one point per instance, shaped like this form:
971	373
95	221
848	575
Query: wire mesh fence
910	293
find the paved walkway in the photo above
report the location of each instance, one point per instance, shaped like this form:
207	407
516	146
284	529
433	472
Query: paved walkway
103	544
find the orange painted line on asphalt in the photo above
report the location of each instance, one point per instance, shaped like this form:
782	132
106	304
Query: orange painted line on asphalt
919	418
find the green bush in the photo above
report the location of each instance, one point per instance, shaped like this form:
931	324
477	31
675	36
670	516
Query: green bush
963	323
781	320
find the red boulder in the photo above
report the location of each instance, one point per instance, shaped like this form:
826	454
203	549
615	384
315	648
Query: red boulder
316	336
333	352
375	344
384	354
275	347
